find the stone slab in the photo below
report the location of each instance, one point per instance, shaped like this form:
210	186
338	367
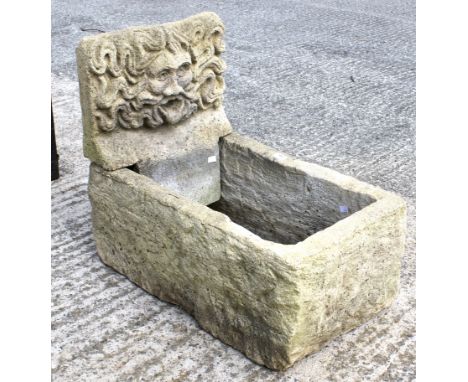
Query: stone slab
149	93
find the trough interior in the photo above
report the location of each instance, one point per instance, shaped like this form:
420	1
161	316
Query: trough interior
276	202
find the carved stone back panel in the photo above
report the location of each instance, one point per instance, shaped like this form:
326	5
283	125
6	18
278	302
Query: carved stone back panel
142	87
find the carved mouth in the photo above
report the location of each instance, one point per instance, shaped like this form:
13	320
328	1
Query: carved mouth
174	109
170	100
175	103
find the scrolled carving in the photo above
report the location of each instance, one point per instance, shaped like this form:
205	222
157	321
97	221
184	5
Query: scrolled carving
148	77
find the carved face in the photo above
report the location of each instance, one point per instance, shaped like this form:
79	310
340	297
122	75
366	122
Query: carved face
156	76
167	93
169	74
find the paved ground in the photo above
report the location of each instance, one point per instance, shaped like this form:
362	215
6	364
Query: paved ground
332	82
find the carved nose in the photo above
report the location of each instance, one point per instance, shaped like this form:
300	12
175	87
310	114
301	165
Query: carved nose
172	88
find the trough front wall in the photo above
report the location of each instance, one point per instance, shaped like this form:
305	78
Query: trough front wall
189	255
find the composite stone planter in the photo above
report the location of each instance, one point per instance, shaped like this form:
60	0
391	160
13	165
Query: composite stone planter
270	254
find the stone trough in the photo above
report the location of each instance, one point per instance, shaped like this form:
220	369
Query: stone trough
273	255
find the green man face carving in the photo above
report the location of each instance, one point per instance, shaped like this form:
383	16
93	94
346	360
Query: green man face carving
156	76
167	97
167	93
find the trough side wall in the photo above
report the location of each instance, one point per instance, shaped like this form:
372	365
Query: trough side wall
349	273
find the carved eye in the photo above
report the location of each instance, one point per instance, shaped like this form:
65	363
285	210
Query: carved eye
163	75
184	68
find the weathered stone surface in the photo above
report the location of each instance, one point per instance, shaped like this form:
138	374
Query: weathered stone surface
139	86
274	302
195	175
281	202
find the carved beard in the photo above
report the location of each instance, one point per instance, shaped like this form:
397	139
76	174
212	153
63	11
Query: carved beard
154	111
